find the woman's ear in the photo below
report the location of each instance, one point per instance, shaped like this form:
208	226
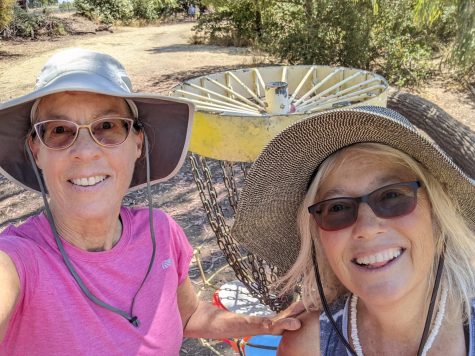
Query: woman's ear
140	143
34	147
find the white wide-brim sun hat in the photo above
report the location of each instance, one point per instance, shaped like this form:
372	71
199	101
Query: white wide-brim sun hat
167	121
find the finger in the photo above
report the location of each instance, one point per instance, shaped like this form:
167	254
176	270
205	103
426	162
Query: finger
286	324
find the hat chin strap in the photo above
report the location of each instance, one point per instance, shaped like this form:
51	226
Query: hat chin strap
326	309
133	319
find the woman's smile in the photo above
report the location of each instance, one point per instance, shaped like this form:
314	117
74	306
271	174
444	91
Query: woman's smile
380	259
88	181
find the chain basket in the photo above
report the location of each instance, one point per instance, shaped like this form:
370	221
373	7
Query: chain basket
256	274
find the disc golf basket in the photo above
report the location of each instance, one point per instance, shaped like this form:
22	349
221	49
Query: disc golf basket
238	112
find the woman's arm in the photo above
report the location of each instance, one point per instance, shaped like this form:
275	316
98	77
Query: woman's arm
302	342
201	319
9	290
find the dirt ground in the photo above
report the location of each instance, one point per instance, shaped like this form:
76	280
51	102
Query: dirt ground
157	58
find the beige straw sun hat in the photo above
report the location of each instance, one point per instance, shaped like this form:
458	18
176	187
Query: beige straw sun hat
266	221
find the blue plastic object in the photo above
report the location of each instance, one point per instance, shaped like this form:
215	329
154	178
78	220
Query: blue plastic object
262	345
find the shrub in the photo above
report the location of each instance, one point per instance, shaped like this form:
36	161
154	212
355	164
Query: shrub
109	11
34	25
334	33
106	11
145	9
218	28
151	10
66	6
238	24
6	13
402	51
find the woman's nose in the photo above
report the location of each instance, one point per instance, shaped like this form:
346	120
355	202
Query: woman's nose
367	224
85	147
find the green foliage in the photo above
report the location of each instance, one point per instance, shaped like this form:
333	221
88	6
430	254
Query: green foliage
145	9
33	25
6	12
461	15
109	11
380	35
151	10
240	23
216	28
334	32
106	11
66	6
463	55
41	3
402	51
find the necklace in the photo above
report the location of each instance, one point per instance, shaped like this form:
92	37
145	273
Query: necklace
433	333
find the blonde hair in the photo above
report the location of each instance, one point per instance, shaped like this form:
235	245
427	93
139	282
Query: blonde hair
448	225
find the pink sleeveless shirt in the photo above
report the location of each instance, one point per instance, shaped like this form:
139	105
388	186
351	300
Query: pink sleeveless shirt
54	317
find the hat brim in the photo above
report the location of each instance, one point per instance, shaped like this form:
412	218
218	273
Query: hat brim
167	122
266	221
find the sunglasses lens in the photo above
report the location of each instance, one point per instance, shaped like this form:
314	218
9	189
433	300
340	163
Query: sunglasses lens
335	214
56	133
392	201
111	132
387	202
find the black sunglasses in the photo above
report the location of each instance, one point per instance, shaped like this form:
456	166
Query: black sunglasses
386	202
61	134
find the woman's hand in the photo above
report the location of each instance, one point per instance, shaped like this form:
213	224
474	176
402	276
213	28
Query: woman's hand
201	319
286	319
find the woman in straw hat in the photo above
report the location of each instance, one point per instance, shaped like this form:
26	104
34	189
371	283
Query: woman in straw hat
89	276
376	223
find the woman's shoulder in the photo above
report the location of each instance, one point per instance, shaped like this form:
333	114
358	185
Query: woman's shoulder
23	247
316	329
26	236
27	229
304	341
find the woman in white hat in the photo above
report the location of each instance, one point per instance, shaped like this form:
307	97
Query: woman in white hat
89	276
376	223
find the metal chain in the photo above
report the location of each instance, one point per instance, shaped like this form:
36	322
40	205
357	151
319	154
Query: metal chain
245	168
230	183
251	270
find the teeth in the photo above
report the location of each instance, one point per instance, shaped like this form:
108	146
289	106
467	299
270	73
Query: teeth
382	256
88	181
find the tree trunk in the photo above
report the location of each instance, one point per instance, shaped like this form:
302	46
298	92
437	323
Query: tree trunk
258	20
455	138
308	8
